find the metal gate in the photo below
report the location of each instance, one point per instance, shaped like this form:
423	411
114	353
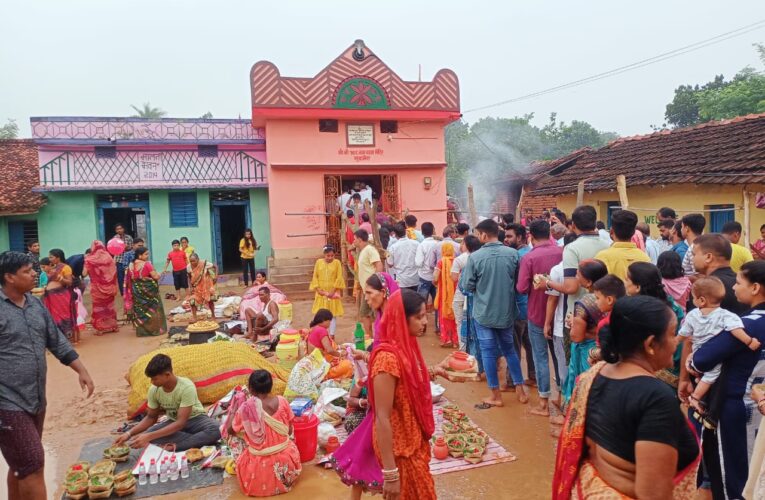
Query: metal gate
332	187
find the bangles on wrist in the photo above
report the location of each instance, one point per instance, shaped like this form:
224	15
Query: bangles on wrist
391	476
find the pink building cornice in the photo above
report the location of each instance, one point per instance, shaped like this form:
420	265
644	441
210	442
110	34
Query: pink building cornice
104	130
357	81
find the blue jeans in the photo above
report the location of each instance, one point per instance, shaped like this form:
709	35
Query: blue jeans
121	276
541	366
491	341
428	288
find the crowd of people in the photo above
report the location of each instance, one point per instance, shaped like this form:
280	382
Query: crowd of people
616	326
645	353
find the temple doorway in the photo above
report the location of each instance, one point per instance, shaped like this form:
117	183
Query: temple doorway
339	188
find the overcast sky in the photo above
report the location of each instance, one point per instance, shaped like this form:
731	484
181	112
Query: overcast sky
95	58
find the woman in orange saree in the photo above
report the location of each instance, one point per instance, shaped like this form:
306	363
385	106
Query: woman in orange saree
400	400
203	277
271	463
625	435
445	287
102	270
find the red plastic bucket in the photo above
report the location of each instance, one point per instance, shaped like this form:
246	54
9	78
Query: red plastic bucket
306	436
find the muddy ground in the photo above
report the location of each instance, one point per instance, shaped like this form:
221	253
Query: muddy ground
72	420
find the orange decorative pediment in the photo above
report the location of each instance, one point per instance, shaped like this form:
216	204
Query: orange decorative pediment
355	80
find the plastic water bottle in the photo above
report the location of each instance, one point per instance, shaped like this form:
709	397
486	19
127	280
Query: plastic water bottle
173	471
142	474
153	478
163	471
184	468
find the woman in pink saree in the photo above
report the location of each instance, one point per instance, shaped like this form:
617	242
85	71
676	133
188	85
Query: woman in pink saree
102	270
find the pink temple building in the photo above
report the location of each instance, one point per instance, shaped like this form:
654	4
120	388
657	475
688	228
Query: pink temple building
356	121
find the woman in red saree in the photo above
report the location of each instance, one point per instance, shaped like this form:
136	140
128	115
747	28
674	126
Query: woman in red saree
400	400
625	435
100	266
59	297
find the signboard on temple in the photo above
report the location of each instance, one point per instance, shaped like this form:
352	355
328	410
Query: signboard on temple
360	135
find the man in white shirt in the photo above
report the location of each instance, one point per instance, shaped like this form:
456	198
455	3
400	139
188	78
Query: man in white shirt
426	260
664	241
651	246
470	244
344	198
366	194
603	233
692	227
401	259
449	237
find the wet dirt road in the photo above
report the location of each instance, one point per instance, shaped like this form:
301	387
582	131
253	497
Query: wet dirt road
71	420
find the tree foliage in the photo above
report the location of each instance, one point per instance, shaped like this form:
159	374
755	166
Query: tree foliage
492	148
719	99
10	130
147	111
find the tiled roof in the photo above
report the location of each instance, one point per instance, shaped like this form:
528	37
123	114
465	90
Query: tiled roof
538	169
18	163
723	152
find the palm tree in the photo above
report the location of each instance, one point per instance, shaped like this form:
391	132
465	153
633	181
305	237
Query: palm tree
147	111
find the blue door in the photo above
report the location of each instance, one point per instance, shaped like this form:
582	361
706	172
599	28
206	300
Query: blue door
719	216
229	220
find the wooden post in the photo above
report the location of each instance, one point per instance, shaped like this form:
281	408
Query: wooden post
519	206
621	187
580	193
747	215
471	207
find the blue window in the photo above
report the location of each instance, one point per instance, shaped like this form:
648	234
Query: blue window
20	232
183	209
719	216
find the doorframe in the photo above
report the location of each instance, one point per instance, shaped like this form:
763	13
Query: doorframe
102	205
215	223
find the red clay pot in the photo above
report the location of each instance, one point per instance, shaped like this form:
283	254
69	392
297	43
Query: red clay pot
332	444
458	361
440	449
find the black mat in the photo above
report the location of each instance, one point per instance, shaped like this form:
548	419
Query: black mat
92	451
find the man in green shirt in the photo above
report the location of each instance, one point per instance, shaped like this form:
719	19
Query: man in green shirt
187	425
490	276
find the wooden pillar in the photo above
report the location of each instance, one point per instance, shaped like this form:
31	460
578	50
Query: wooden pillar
621	187
747	216
519	206
580	193
471	207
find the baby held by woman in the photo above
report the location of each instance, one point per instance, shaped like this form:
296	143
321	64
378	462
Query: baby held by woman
704	323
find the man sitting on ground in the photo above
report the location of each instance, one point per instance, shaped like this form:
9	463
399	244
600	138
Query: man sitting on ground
260	324
187	425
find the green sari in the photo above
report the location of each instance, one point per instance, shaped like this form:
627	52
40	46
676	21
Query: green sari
143	302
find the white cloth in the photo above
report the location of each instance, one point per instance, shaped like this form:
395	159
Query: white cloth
556	276
267	311
426	258
342	200
605	236
366	195
652	249
664	245
460	262
688	267
401	262
701	328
